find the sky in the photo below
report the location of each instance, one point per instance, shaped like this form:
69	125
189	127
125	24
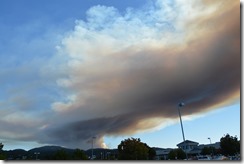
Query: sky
71	70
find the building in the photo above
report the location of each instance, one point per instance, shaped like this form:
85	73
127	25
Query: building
216	145
162	154
188	145
193	148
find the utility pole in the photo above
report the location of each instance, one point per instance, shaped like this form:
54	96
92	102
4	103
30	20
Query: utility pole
36	153
182	130
210	145
92	146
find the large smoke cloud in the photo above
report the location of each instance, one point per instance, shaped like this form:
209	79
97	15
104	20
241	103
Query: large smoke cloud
126	73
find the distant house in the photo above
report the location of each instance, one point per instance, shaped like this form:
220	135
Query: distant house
188	145
216	145
195	151
193	148
162	154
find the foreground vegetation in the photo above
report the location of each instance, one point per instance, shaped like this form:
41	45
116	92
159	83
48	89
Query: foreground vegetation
128	149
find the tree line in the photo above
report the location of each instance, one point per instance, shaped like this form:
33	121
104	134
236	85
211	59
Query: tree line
229	146
134	149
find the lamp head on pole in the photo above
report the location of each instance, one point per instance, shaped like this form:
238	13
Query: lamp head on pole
181	104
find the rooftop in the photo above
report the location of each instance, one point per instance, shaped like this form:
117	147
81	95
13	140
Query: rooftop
187	142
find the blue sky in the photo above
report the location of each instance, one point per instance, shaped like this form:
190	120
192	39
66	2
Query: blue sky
200	129
75	69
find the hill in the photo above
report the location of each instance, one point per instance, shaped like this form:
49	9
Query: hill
51	152
57	152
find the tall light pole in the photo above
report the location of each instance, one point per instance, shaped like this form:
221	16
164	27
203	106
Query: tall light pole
211	144
182	130
92	146
210	140
36	153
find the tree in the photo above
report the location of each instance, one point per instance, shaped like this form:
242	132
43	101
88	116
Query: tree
1	146
208	150
177	154
151	153
2	155
61	155
79	155
133	149
229	145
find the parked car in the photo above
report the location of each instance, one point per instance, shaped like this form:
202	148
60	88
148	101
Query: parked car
220	157
203	158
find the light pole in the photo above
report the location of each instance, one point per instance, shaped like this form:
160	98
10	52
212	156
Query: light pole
182	130
211	144
36	153
92	146
210	140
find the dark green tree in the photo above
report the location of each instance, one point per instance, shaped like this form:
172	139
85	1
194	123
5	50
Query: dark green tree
151	153
1	146
176	154
229	145
133	149
172	155
79	155
208	150
61	155
2	154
